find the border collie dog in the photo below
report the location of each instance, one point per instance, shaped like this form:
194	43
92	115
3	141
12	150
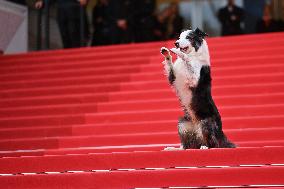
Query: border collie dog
189	75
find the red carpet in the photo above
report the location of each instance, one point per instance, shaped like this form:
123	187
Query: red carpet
100	118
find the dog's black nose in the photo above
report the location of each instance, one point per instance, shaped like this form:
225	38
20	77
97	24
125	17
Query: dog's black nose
177	44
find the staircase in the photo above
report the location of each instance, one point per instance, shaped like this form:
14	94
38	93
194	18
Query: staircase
101	117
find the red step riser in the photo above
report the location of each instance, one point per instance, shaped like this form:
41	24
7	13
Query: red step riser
90	72
218	60
221	52
77	131
174	113
72	74
249	100
112	82
121	149
86	73
43	121
217	75
80	65
271	74
144	86
248	79
75	109
216	91
135	139
49	100
228	123
83	57
29	145
95	89
225	62
238	46
150	178
37	131
163	84
107	66
236	41
127	64
160	79
255	134
122	128
63	83
164	159
126	106
246	53
159	147
173	103
252	111
252	122
169	93
87	50
118	96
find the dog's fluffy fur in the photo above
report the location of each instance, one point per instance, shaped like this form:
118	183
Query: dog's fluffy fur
201	126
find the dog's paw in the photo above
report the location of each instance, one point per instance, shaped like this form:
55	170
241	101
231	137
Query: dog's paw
172	148
164	51
203	147
175	51
180	54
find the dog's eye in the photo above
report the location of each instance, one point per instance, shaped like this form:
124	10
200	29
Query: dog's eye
189	37
177	44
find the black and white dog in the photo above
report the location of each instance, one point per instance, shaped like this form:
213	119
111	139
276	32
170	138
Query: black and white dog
201	126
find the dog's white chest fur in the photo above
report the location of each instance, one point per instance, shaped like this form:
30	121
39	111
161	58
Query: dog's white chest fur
187	76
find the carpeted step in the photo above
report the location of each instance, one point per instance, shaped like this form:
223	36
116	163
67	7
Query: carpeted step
237	135
266	71
123	149
100	117
239	42
132	105
39	130
253	87
141	160
239	176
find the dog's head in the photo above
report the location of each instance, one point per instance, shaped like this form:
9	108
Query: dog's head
190	40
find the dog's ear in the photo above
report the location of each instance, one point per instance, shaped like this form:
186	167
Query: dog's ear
196	38
200	33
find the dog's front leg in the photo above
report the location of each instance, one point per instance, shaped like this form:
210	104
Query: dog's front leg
168	64
180	54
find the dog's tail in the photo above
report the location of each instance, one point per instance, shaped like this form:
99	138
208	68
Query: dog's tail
226	143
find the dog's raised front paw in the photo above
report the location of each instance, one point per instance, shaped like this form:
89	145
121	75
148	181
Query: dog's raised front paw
164	51
175	51
172	148
203	147
180	54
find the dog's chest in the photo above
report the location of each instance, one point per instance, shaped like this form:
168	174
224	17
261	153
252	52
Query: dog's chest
187	76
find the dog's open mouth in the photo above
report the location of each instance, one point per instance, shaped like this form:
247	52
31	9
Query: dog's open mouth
184	49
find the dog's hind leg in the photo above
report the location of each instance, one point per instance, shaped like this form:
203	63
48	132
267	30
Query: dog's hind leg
185	135
188	136
168	64
209	129
213	136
